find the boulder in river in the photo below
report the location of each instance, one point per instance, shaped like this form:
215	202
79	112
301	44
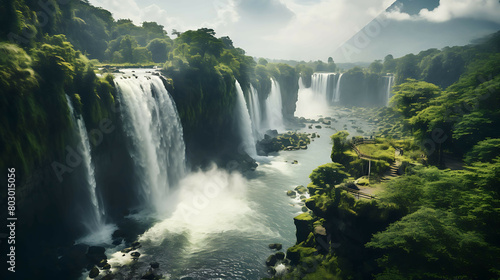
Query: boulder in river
277	246
280	256
301	189
271	260
291	193
94	272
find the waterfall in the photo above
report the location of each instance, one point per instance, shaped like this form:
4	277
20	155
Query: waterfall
255	112
244	123
388	89
274	111
153	126
320	85
308	104
93	218
337	89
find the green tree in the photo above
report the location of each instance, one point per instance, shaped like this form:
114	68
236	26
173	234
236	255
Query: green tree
376	67
159	49
141	55
127	45
328	174
389	64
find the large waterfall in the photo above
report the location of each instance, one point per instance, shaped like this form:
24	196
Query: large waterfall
274	108
154	128
244	123
388	89
255	112
93	217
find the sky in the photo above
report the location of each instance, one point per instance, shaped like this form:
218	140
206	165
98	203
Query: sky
347	30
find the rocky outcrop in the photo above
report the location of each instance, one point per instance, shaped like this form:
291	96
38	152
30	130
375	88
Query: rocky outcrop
288	141
303	224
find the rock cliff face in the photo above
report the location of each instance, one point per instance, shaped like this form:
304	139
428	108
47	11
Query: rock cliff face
363	89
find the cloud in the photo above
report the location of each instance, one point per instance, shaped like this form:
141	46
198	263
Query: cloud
288	29
488	10
398	15
475	9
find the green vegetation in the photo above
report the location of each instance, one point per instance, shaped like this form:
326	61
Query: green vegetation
379	151
36	125
429	223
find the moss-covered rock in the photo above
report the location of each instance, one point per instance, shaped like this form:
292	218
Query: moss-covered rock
303	224
296	252
301	189
276	246
291	193
94	272
271	260
288	141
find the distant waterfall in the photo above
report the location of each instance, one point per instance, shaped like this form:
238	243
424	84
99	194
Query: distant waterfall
255	112
93	217
337	88
244	122
319	85
390	80
274	111
154	128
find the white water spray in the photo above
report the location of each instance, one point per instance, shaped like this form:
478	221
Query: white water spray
337	88
274	108
98	232
244	123
310	105
255	113
93	220
154	128
390	79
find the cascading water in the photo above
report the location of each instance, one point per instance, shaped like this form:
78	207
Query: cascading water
255	113
320	85
244	122
390	79
274	107
93	220
337	89
154	128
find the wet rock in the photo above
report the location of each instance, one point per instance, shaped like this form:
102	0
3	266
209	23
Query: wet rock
154	265
280	256
271	260
127	250
102	263
276	246
107	266
135	254
301	189
291	193
94	272
136	244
